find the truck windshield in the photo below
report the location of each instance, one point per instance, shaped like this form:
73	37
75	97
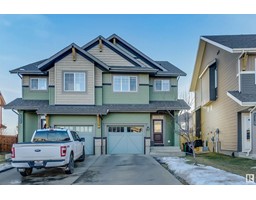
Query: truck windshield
51	136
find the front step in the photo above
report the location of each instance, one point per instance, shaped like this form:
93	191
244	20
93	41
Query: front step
166	151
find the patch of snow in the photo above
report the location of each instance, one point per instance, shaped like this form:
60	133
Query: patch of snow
201	174
5	166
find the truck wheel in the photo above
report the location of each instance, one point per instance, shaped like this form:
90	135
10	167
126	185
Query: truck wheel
82	157
71	165
27	172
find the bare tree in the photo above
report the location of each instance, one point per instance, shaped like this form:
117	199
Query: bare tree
186	132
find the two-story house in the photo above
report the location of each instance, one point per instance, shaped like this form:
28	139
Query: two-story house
2	103
115	96
224	85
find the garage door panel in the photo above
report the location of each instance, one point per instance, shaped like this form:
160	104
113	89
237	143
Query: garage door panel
125	140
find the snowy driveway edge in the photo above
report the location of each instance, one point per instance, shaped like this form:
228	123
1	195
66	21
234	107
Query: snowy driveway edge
201	174
5	166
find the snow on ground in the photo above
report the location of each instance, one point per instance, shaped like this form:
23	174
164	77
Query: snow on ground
202	175
5	166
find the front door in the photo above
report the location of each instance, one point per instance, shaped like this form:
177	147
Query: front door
158	131
246	135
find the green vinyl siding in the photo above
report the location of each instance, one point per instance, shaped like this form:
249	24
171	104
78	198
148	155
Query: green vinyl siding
169	131
128	119
30	124
98	95
28	94
171	95
141	96
51	95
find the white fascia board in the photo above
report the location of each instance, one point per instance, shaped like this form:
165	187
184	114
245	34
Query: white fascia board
242	50
207	66
240	102
218	45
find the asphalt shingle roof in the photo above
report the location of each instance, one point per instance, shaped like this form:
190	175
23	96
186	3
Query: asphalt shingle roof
43	107
30	68
243	97
234	41
171	68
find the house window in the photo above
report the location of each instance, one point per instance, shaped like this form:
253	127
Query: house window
38	83
213	82
162	85
125	84
74	82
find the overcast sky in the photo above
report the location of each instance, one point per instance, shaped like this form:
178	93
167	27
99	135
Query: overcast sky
28	38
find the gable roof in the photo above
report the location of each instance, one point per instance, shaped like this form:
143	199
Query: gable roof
141	62
2	101
232	43
229	43
92	43
64	52
135	50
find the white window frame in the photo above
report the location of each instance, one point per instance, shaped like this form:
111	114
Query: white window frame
129	83
38	84
64	81
156	90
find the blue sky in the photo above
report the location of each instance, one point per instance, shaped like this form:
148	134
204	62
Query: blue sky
28	38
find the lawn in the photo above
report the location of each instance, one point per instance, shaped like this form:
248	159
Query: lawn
239	166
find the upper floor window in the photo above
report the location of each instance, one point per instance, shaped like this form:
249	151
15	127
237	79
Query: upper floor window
74	81
38	83
125	84
162	85
213	73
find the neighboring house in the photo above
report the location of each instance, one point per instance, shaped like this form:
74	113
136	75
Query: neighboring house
2	103
224	85
111	93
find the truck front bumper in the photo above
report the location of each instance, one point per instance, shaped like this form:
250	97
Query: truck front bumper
39	164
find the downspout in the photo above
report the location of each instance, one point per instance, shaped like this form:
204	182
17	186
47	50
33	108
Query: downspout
101	131
249	151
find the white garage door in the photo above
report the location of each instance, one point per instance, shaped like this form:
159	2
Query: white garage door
125	139
85	132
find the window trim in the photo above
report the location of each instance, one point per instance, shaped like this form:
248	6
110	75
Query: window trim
75	72
169	88
129	84
30	84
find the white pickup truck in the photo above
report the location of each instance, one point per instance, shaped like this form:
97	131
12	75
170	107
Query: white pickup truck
48	148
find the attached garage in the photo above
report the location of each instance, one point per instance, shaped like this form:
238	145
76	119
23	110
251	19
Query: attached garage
86	132
125	139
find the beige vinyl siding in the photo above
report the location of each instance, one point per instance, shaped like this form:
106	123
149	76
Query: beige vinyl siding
221	113
25	80
109	57
205	87
52	76
98	77
74	98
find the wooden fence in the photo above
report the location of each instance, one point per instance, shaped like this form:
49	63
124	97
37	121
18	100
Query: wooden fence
6	142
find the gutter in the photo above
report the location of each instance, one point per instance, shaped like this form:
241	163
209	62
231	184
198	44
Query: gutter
249	151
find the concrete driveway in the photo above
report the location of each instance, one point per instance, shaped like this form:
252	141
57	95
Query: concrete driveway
126	170
99	170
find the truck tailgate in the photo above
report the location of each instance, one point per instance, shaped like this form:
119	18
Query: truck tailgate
37	151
